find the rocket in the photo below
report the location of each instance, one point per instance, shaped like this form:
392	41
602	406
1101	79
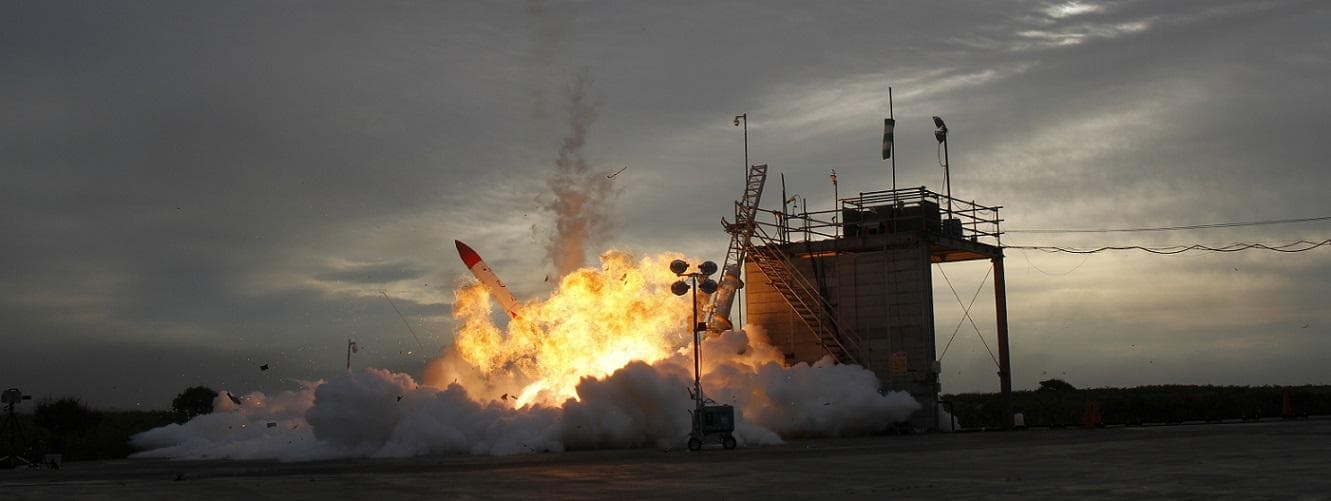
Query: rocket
487	277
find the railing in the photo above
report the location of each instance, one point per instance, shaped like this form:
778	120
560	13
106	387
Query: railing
906	209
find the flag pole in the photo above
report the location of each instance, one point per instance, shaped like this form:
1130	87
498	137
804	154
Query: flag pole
893	146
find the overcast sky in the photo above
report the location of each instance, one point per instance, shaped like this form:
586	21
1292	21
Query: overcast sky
192	189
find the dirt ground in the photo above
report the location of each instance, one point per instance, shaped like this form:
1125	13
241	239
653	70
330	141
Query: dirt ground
1273	459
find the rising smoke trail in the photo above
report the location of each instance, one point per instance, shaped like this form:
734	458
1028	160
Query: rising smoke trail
580	197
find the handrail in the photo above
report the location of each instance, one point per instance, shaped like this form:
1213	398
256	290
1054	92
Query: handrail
977	222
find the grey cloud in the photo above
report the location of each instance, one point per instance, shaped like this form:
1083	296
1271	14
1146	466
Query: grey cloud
373	273
199	181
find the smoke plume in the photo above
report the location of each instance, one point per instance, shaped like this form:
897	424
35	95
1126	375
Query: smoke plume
580	198
378	413
605	361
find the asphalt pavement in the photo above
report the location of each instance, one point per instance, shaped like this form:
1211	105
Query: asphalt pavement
1272	459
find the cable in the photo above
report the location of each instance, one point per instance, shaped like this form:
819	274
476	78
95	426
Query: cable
1173	228
1037	268
1292	247
966	313
404	321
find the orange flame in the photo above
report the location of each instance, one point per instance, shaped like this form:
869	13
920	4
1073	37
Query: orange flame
594	323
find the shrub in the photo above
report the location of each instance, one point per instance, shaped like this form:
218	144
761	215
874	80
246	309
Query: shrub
194	401
64	416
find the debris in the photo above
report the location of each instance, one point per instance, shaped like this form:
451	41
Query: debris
616	173
504	397
272	424
399	398
233	398
263	367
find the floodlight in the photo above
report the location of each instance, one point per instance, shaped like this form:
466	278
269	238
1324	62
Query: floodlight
707	268
678	266
708	286
941	133
679	288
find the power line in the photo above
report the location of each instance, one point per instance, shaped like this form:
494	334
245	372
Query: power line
1084	259
1299	246
1174	228
404	321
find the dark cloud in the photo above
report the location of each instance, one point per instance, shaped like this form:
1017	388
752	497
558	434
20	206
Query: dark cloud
207	183
373	273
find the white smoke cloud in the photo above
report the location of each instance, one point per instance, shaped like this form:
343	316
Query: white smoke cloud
378	413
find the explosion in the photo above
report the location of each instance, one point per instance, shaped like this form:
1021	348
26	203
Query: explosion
603	362
595	323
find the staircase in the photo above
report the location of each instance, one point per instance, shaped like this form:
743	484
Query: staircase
803	298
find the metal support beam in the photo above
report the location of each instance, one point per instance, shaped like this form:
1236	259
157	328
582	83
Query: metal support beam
1004	364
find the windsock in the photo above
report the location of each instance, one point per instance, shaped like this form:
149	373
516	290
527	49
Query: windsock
497	289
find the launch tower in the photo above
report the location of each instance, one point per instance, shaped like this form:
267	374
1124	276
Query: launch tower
855	283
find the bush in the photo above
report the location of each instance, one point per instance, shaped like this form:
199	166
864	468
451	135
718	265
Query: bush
194	401
1053	406
64	416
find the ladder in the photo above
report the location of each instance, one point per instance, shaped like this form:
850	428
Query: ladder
741	231
803	298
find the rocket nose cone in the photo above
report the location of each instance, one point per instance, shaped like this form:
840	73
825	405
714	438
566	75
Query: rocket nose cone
469	257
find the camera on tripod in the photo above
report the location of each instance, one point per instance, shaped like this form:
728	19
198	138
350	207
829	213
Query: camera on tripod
11	431
13	396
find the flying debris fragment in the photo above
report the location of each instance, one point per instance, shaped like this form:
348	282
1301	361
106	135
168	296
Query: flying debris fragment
487	277
263	367
616	173
234	399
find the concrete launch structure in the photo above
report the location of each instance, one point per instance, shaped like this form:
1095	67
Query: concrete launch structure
856	283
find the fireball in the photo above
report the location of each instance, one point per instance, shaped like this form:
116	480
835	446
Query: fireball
596	322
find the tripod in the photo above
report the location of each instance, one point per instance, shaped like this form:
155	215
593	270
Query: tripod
11	431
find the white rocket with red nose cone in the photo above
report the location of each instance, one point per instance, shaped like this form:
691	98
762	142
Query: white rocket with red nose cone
487	277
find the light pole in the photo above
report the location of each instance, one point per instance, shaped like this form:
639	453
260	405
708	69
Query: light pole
744	117
836	206
681	287
941	135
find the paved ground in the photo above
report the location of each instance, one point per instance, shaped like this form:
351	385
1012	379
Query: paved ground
1245	460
